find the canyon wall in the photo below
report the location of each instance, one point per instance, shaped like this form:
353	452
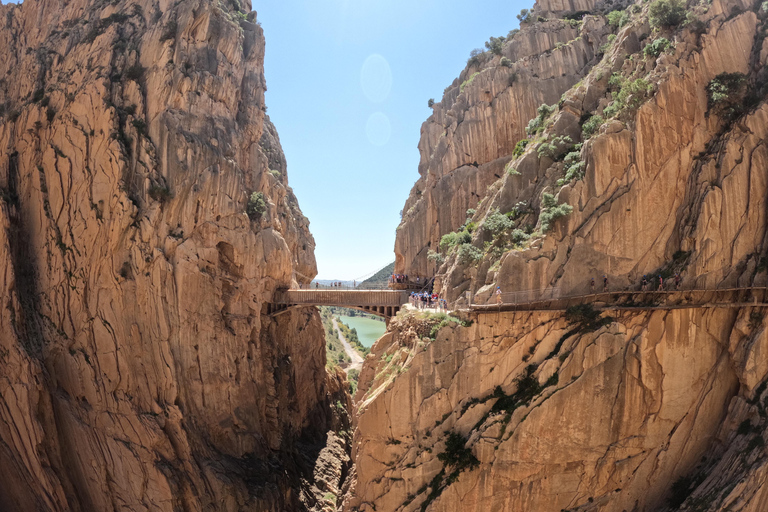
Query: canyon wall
648	159
563	417
667	175
145	221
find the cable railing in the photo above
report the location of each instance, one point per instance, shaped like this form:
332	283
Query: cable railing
717	297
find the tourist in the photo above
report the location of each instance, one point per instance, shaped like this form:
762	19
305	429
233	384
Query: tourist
677	280
605	283
661	283
644	285
498	295
592	285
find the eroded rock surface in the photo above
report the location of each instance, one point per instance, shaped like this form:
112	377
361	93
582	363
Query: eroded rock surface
647	172
138	369
612	416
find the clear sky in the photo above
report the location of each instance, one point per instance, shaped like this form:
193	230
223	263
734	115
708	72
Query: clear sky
348	83
350	140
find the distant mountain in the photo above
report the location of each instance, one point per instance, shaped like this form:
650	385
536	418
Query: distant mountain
380	278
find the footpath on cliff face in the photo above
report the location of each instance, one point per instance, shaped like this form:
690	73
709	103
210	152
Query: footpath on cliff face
602	138
145	222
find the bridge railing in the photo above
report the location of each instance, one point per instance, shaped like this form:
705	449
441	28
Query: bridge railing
341	297
634	298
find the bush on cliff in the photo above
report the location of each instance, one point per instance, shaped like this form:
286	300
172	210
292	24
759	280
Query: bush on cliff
551	211
592	125
536	124
666	13
468	254
726	94
657	47
618	19
456	455
256	206
495	44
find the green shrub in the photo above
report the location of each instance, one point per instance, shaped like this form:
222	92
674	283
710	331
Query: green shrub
495	45
616	80
512	33
525	16
468	82
574	166
666	13
634	92
551	211
726	93
764	7
497	223
453	239
618	19
546	149
657	47
520	147
475	57
435	256
518	236
506	62
431	102
536	124
468	254
608	44
256	206
592	125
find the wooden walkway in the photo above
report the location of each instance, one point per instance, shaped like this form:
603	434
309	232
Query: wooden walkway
628	300
387	303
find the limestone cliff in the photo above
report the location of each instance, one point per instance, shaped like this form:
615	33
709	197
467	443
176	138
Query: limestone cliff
648	159
138	369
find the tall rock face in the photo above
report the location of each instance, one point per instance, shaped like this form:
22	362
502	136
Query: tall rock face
473	131
145	221
559	416
650	163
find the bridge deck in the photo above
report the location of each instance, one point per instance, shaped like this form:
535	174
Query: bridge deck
384	303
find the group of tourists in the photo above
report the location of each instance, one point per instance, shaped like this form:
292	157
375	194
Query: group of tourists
424	300
335	284
405	279
677	281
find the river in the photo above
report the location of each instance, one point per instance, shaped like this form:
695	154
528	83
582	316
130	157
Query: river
368	330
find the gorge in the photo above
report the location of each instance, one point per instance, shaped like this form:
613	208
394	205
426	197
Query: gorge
147	225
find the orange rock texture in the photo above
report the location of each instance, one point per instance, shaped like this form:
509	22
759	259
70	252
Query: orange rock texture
648	157
139	371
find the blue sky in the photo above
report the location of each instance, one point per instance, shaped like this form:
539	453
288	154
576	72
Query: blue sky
351	141
353	188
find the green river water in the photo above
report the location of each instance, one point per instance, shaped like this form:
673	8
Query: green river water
368	330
